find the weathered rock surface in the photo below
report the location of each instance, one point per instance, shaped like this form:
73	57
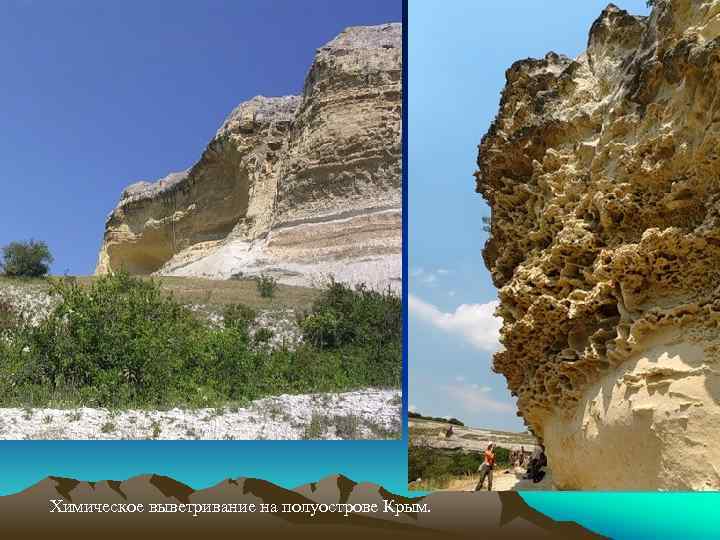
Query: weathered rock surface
299	187
603	178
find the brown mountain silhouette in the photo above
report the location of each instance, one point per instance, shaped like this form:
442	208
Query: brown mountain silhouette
452	515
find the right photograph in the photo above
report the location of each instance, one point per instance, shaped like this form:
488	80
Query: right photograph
564	246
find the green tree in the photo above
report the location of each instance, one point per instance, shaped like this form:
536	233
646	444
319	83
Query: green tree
26	259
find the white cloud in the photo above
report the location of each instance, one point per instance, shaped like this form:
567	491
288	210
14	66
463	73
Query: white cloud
474	322
428	277
412	408
460	378
476	399
417	272
451	293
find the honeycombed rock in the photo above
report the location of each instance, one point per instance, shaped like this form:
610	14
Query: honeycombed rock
602	173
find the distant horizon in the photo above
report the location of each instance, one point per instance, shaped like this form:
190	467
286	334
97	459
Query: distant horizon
428	416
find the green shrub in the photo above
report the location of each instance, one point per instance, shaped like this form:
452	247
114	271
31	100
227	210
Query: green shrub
433	463
317	427
263	335
9	317
266	285
239	315
122	343
347	427
502	456
364	326
345	316
453	421
26	259
118	340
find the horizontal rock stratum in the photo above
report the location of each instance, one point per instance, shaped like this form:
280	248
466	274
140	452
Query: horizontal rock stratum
299	187
603	176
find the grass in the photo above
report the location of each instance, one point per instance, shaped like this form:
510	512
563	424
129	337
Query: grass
318	426
210	292
347	427
274	411
445	482
382	433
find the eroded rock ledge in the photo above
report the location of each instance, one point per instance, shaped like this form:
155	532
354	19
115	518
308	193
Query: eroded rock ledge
602	174
295	186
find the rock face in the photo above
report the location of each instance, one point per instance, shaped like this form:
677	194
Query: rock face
297	187
603	176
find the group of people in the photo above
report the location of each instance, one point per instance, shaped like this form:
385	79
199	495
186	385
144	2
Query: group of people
534	471
537	462
519	458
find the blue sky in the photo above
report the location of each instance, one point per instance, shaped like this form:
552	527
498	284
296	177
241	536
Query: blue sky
97	95
457	58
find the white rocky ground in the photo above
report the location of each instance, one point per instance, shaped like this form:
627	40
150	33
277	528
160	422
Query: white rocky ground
466	438
236	257
363	414
31	299
377	272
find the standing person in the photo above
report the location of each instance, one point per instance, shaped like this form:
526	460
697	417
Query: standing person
486	468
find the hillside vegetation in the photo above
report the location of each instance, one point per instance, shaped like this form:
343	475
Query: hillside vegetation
124	342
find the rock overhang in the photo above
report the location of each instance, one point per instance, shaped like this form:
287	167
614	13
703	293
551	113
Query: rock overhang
601	173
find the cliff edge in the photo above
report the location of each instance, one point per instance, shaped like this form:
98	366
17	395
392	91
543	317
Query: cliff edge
298	187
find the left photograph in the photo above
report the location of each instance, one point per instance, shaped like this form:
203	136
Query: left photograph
253	290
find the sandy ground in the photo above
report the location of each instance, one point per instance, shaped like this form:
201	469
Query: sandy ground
505	480
363	414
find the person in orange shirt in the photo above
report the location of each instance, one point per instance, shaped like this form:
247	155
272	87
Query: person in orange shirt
486	469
